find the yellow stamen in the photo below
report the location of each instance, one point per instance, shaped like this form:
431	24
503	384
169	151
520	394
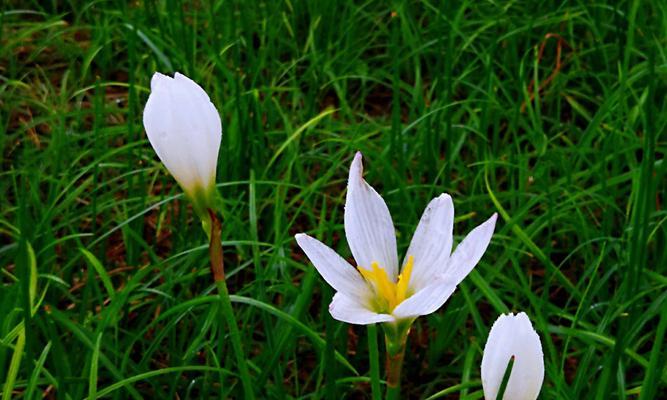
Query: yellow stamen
392	293
385	287
403	279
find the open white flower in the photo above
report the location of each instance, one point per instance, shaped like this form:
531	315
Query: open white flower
513	336
375	291
184	128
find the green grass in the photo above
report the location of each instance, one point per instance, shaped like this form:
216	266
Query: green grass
105	287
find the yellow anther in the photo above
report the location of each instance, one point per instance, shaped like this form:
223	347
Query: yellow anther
403	280
385	287
392	293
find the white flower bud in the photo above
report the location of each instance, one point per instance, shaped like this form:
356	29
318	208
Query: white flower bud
184	128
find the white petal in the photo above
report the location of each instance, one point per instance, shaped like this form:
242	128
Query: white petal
351	310
427	300
334	269
199	121
470	251
513	336
368	225
184	128
158	121
209	129
431	244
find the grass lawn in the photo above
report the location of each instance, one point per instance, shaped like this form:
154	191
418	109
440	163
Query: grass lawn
550	113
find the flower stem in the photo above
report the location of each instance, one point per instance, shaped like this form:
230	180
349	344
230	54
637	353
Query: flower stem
393	367
217	269
373	355
394	364
215	248
395	338
393	393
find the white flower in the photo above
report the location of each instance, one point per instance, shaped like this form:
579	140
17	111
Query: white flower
513	336
375	291
184	128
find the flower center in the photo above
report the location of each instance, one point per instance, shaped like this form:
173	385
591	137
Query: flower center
392	293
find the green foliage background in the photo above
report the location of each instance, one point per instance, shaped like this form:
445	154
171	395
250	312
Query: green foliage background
550	112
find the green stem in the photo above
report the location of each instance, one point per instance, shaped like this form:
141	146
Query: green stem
393	393
217	269
374	357
393	367
395	337
395	356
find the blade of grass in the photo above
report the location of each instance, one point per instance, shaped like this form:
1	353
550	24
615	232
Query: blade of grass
14	365
34	378
374	360
94	361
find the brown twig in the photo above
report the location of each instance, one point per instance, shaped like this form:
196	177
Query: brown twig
559	64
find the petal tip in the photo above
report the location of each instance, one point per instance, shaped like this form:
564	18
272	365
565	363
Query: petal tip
445	198
158	79
184	79
493	219
300	236
160	75
356	171
357	162
491	222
